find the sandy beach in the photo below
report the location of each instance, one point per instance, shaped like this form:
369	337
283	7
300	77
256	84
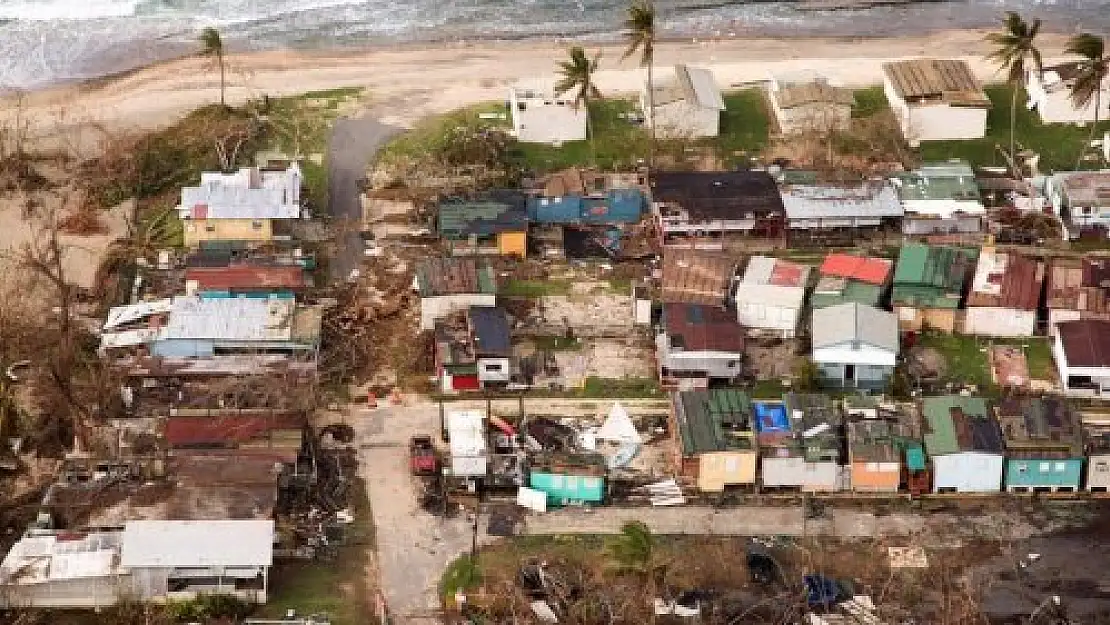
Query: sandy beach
405	83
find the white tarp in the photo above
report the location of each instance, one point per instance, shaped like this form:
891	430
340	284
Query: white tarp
618	427
534	500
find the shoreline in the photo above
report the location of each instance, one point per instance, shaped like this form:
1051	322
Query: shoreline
408	81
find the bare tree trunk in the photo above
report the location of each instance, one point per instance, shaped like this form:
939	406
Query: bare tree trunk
651	108
1094	129
223	83
1013	118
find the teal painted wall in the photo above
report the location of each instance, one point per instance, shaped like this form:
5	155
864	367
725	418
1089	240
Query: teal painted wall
565	489
1035	473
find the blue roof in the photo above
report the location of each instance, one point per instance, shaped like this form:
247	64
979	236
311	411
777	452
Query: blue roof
491	331
618	206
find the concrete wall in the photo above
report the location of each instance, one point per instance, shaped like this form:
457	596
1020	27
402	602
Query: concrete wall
876	477
796	472
434	308
915	319
967	472
935	122
197	230
1055	474
495	370
813	117
1098	472
1056	106
721	365
991	321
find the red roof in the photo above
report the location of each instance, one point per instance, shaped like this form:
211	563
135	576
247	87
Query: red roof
786	273
243	277
695	327
869	270
225	430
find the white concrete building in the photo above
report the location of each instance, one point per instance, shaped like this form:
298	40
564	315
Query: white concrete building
771	295
806	102
1081	350
936	100
1080	198
687	106
1050	95
540	116
250	193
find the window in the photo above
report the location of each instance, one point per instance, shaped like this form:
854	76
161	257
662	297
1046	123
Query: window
1102	467
1023	467
257	225
210	228
521	106
494	367
1044	467
732	364
1060	467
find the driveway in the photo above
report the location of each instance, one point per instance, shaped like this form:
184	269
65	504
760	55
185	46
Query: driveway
351	147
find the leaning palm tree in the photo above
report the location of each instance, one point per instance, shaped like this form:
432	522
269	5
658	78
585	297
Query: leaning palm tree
640	35
212	45
578	73
1015	48
634	548
1094	70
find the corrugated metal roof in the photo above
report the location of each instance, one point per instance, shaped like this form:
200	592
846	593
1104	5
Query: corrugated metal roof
703	417
949	81
459	219
833	291
931	276
692	84
1040	427
247	277
246	194
228	430
1086	342
951	180
236	319
826	202
702	328
1087	188
864	269
695	277
815	92
1006	281
957	423
454	276
197	543
617	206
719	195
775	272
854	322
490	328
1081	284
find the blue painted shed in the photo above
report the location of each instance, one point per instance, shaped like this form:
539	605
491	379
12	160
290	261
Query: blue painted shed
565	489
617	206
1044	445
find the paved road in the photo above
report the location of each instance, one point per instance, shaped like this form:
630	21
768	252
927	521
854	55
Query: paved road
352	145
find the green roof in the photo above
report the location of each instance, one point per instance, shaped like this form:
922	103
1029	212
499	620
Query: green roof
714	420
459	219
931	276
939	181
940	436
854	291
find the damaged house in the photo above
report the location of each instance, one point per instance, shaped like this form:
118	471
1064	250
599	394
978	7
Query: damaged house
799	443
697	277
1044	445
964	443
699	344
929	285
586	224
702	209
473	349
242	206
940	199
493	226
448	285
1077	289
714	440
1004	295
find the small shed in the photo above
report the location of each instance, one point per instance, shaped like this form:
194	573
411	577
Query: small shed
771	295
964	443
936	99
929	285
687	106
855	346
809	103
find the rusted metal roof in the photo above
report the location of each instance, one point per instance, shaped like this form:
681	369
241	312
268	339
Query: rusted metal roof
1006	281
703	328
246	277
229	430
1086	342
695	277
817	92
1079	284
454	276
947	81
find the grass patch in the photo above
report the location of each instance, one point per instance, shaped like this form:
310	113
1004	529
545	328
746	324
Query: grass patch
768	389
557	343
617	142
745	124
534	288
869	102
1058	144
428	135
600	388
965	357
462	575
335	587
1038	355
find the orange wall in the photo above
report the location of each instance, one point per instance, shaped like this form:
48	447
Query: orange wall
864	480
512	243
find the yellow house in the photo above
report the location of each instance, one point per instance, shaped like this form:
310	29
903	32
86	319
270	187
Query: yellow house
240	206
714	442
201	230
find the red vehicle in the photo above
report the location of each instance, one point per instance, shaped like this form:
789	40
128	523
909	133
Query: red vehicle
423	459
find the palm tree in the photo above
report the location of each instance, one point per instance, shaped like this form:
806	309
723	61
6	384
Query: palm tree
578	73
212	45
1015	49
1094	68
640	35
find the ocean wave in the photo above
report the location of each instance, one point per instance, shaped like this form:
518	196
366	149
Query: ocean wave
47	10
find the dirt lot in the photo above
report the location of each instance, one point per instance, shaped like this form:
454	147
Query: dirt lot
770	359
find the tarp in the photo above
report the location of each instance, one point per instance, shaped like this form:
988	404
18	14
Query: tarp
618	427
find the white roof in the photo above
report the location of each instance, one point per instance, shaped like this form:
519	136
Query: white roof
249	193
844	323
707	93
467	433
198	543
943	208
123	315
235	319
824	202
129	338
618	427
37	559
